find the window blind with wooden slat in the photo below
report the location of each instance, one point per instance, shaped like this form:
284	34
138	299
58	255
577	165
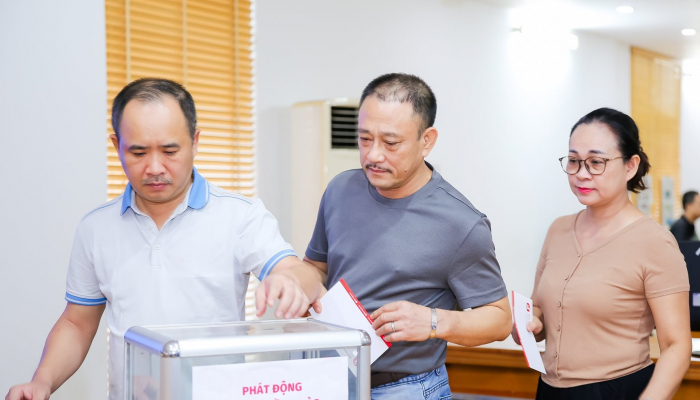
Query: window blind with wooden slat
206	45
656	94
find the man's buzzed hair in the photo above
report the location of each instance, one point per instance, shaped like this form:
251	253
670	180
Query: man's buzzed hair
405	88
150	90
688	198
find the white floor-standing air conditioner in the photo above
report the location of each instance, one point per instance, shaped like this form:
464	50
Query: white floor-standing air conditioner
323	144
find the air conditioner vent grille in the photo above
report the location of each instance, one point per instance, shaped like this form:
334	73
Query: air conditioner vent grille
344	127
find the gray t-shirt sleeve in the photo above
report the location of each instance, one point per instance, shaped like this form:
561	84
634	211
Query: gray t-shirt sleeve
475	276
318	246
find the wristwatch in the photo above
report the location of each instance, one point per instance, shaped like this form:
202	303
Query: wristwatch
433	323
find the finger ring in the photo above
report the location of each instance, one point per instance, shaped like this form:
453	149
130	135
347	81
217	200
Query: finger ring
393	328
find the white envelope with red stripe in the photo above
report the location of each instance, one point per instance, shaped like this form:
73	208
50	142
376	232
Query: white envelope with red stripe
522	314
340	307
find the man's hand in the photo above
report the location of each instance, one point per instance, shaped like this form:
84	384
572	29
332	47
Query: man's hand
411	322
29	391
317	304
295	284
65	349
285	287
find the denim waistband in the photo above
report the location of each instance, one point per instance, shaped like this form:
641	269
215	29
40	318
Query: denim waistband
411	378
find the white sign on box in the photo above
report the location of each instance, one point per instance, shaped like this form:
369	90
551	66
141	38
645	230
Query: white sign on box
522	314
316	379
340	307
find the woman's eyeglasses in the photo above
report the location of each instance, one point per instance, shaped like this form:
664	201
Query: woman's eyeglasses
594	165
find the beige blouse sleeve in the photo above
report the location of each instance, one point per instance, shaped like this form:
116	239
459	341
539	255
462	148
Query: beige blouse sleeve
665	271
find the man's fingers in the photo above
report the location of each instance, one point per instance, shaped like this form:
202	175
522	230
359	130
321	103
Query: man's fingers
274	291
378	318
396	337
260	299
384	329
28	392
385	308
317	306
385	318
303	305
298	298
23	392
378	312
286	299
13	394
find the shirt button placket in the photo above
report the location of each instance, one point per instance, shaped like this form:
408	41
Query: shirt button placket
157	252
561	310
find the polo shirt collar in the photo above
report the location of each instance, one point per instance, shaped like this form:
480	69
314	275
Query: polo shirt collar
199	193
197	199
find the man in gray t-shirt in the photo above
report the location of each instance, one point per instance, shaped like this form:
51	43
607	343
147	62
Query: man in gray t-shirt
409	245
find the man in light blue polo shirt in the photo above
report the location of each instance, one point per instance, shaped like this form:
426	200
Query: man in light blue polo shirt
173	249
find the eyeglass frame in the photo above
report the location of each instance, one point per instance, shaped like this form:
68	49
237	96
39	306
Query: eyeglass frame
586	164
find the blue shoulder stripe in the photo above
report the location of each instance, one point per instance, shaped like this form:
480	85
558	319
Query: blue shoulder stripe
232	196
273	261
83	301
108	204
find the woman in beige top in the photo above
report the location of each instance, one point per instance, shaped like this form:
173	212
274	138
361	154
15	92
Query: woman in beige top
607	276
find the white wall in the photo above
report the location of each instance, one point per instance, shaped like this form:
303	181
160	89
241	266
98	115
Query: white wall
690	128
504	113
52	159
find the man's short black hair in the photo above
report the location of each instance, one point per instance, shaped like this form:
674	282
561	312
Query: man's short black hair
150	90
689	197
405	88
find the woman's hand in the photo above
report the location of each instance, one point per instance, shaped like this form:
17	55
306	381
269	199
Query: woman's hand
535	326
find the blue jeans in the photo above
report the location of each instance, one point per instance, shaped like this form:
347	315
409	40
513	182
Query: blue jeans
431	385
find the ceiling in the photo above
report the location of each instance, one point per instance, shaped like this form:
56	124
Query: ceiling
655	24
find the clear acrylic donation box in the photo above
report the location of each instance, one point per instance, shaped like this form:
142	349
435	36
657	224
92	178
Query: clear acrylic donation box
298	359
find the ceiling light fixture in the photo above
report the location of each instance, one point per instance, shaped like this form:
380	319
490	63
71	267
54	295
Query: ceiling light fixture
625	9
688	32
